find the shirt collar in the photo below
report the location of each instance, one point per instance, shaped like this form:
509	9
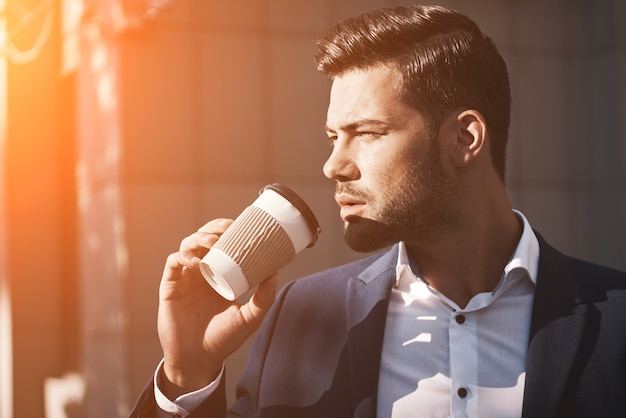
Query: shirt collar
525	257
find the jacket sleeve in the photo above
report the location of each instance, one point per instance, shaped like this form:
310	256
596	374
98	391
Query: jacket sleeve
145	407
246	404
213	407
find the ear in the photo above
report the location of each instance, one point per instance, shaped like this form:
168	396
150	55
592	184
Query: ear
470	139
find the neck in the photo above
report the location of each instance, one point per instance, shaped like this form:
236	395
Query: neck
471	259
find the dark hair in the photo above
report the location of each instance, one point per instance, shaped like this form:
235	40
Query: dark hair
446	63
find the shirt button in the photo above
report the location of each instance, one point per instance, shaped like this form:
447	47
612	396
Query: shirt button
460	319
462	392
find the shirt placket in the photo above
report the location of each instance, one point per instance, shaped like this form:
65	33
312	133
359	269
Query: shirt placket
463	361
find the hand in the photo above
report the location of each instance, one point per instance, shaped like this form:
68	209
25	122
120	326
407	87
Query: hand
198	328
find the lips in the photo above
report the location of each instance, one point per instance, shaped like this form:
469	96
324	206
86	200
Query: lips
350	206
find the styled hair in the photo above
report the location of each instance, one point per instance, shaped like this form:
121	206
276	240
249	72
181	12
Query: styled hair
446	64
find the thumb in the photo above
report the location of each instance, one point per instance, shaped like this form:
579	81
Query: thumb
254	311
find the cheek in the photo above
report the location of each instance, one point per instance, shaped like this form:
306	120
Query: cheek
384	180
384	168
374	171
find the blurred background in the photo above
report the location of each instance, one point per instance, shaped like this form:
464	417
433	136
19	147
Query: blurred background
127	124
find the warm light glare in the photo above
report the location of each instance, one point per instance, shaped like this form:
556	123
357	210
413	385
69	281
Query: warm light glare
6	350
36	22
72	12
61	392
6	339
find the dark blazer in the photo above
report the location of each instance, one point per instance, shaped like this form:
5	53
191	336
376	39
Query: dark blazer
317	354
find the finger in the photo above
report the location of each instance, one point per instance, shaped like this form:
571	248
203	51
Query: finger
216	226
205	237
261	302
198	241
177	261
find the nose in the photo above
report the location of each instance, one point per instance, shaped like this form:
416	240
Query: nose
341	165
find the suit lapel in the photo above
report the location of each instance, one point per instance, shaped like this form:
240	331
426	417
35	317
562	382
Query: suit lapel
557	327
367	301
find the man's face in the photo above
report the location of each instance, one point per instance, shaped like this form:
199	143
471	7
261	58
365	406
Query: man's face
391	184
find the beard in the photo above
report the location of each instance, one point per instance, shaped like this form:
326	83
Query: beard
417	206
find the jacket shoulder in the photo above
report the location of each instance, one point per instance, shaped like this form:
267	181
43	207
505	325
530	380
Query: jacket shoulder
581	279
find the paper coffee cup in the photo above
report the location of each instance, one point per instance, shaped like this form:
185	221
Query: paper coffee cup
264	238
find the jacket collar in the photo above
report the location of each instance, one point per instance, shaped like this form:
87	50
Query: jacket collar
366	310
559	319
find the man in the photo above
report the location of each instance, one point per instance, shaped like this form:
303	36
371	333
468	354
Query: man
470	313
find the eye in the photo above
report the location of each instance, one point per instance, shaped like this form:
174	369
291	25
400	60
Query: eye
330	140
368	135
